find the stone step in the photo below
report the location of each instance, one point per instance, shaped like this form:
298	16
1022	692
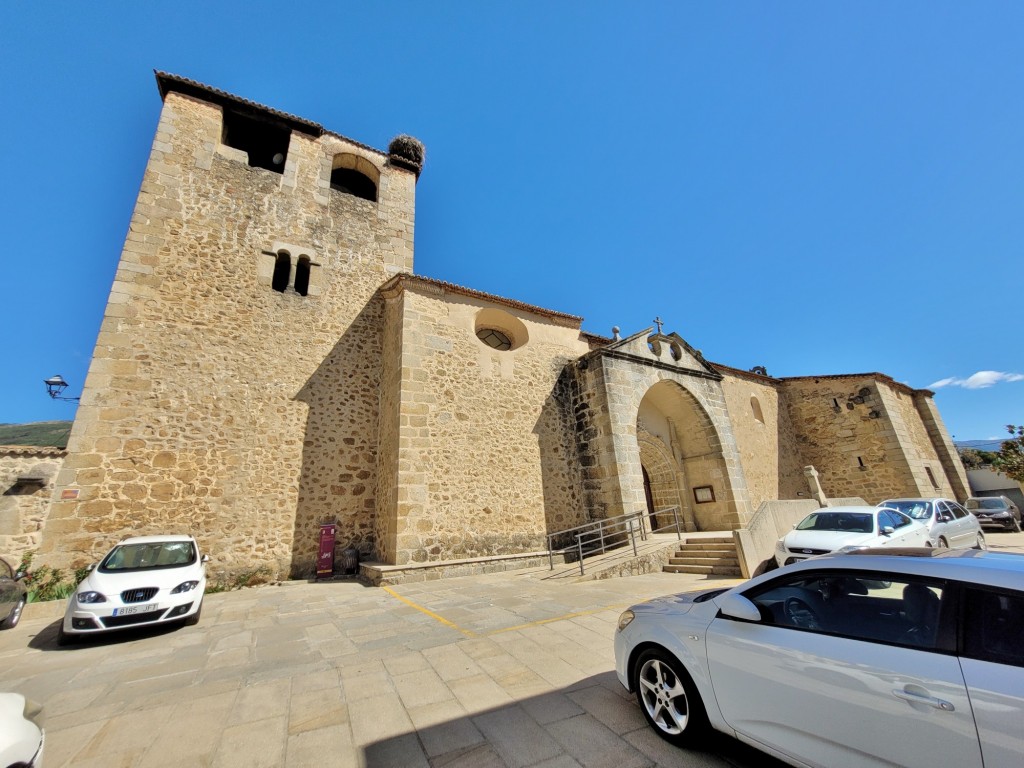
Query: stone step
708	550
732	562
710	556
709	540
715	570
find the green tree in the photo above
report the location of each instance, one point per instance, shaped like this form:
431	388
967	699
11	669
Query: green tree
1010	459
971	458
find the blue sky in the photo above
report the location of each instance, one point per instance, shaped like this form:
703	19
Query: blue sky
812	187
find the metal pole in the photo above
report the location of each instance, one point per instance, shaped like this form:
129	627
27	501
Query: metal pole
579	547
675	514
551	559
632	535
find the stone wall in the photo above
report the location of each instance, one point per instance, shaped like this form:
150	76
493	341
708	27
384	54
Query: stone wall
27	475
865	436
765	437
486	462
215	404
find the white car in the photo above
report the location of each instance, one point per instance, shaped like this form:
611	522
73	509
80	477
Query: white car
145	580
834	528
856	658
949	524
21	735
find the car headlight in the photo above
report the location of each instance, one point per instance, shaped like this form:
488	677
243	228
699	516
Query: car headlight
91	597
850	548
625	619
185	586
780	545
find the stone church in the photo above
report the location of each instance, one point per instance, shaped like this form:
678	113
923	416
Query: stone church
269	361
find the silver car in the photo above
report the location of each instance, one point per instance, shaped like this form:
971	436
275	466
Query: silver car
949	524
861	658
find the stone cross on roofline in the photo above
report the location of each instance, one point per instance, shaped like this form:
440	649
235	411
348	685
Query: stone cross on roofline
658	322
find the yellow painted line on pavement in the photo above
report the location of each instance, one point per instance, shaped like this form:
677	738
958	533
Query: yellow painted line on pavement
539	622
429	612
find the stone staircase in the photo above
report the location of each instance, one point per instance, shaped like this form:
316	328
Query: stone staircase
711	555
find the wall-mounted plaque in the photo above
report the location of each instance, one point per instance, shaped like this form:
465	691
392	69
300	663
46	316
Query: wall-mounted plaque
702	494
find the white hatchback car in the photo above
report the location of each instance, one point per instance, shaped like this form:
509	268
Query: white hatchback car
949	524
144	580
859	658
833	528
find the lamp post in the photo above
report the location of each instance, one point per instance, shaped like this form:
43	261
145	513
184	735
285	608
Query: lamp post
55	386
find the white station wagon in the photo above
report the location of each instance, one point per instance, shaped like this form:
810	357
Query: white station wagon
862	658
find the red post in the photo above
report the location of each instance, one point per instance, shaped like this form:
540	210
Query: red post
325	559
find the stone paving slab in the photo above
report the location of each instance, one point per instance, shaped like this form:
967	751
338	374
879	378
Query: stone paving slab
498	670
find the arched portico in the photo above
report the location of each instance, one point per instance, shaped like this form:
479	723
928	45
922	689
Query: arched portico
681	451
650	403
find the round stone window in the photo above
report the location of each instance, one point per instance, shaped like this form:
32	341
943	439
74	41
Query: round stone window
500	330
494	339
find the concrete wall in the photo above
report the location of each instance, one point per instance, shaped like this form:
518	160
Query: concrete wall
755	543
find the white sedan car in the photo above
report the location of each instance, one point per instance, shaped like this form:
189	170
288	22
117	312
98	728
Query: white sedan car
858	658
949	524
834	528
144	580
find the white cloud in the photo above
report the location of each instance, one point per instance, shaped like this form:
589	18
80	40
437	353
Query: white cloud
979	380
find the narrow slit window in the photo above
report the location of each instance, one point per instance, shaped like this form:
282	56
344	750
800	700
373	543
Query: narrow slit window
931	477
302	276
283	271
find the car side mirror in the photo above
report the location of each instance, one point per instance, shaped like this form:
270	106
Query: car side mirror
945	517
205	559
888	529
19	575
738	607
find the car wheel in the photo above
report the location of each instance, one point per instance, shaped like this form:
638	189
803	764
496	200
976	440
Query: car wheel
64	639
980	542
943	544
14	616
669	699
192	620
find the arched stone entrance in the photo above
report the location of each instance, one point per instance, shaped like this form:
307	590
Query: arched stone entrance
680	451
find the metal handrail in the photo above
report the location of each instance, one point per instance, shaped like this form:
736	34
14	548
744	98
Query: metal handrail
607	533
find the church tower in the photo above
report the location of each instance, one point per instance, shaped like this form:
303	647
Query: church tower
233	391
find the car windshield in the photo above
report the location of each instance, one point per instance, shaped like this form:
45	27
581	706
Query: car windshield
919	510
857	522
985	504
156	554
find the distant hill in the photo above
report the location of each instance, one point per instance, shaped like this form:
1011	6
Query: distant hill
982	445
53	434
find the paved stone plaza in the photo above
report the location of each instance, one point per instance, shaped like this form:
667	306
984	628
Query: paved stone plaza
477	672
501	670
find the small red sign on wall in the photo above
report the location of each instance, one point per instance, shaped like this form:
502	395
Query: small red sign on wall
69	493
325	558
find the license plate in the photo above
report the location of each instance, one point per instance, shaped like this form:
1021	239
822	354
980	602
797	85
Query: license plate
135	609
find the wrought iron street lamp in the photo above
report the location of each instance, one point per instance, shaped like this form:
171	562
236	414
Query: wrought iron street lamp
55	386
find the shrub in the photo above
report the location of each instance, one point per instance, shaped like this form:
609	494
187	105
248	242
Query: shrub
241	580
46	583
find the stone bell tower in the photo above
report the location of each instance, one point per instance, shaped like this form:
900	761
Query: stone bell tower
233	390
